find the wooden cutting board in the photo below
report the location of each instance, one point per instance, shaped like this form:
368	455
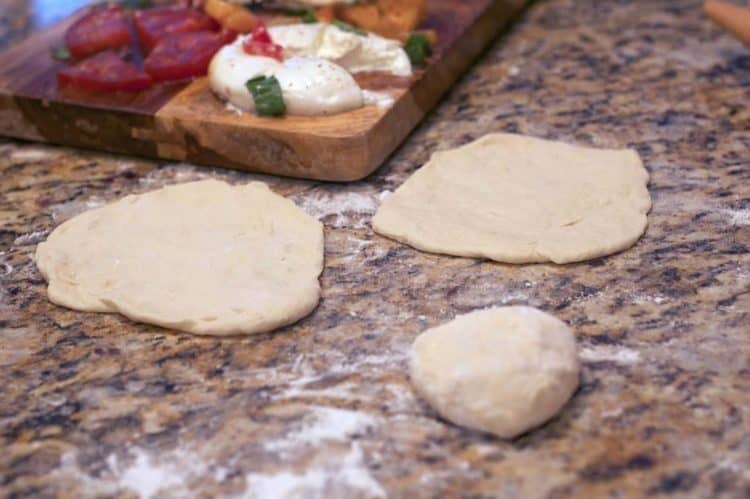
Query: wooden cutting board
186	122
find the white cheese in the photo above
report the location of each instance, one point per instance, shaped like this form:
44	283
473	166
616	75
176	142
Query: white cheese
356	53
230	70
313	86
298	39
309	85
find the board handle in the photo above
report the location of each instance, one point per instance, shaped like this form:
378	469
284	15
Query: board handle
733	18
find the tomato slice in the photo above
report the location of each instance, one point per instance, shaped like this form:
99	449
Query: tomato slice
263	49
104	72
152	25
99	30
185	55
260	33
260	43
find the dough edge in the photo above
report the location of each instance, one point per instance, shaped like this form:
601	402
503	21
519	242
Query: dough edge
387	220
68	295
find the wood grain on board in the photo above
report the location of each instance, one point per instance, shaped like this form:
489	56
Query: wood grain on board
186	122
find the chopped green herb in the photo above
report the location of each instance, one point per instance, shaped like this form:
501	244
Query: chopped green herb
418	48
60	53
305	15
135	4
348	28
309	17
266	93
295	12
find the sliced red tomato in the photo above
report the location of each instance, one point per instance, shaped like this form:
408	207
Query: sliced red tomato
104	72
152	25
99	30
260	43
260	33
263	49
185	55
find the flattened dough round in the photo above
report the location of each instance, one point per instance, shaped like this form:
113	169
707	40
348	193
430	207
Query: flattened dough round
504	370
519	199
203	257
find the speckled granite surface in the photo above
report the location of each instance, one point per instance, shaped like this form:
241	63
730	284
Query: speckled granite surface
97	405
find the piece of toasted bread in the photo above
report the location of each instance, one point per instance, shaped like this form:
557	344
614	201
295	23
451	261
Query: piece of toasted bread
388	18
231	16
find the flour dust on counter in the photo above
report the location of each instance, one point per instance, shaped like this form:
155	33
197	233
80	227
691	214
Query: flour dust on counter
203	257
518	199
337	208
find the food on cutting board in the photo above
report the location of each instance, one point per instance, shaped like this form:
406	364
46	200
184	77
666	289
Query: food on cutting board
105	72
303	69
162	23
389	18
300	65
99	30
504	370
231	16
173	44
518	199
203	257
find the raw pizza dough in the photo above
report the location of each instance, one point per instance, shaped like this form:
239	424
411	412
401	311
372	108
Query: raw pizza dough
504	370
203	257
519	199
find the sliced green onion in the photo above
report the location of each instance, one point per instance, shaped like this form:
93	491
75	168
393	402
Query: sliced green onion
60	53
266	93
418	48
348	28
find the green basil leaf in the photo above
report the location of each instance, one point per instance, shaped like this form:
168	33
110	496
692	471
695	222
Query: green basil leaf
418	48
295	12
267	96
309	17
306	15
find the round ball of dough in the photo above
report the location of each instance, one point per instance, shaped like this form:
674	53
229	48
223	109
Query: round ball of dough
503	370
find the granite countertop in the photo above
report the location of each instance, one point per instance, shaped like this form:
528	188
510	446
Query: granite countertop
96	404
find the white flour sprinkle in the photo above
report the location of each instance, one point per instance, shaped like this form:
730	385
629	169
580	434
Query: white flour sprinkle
738	217
358	244
658	299
607	353
324	424
330	475
31	238
345	205
176	173
63	211
345	476
146	477
149	476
